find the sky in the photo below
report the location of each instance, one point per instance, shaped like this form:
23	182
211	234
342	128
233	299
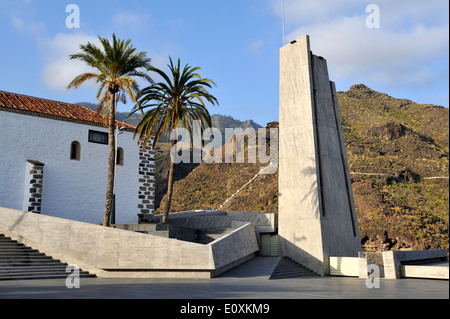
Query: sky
397	47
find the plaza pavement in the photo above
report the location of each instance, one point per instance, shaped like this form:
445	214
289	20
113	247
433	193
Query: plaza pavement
248	281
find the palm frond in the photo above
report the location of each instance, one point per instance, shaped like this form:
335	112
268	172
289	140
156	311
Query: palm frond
117	64
175	102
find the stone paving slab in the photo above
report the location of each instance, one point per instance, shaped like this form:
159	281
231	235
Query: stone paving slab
247	281
226	288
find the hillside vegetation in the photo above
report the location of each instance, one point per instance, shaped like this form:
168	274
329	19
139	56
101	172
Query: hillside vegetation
407	207
398	153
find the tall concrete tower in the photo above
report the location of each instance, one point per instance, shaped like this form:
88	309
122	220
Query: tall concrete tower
317	216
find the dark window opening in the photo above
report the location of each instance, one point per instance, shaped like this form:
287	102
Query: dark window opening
98	137
119	156
75	151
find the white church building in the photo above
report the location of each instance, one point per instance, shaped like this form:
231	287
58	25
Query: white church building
53	161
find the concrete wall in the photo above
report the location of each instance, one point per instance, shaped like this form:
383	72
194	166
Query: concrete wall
262	222
110	252
316	210
430	264
71	189
394	262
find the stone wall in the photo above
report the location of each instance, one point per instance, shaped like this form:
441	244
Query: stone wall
34	176
146	192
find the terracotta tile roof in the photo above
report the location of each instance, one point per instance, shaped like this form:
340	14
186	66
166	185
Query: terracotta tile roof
18	103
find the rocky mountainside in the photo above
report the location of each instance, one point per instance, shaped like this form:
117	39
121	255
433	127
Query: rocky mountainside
398	156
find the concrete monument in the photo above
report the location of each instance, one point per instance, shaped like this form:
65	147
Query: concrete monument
317	216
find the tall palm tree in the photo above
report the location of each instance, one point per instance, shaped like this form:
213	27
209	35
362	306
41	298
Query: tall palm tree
115	65
175	102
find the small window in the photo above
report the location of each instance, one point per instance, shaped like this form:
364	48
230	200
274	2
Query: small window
98	137
75	151
119	156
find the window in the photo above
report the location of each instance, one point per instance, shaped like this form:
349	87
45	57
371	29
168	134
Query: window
119	156
98	137
75	151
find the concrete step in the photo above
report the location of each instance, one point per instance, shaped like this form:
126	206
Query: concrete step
19	262
5	241
287	268
42	276
29	263
23	257
36	272
5	247
6	253
54	267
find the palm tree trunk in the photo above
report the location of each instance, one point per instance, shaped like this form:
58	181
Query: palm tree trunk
169	191
111	160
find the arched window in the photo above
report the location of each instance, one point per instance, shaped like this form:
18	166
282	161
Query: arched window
119	156
75	151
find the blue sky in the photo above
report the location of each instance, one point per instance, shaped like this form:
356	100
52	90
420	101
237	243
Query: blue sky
236	43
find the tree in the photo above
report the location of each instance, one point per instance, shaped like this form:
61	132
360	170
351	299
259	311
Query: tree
174	103
115	65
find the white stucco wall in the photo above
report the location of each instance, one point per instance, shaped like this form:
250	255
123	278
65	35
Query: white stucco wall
71	189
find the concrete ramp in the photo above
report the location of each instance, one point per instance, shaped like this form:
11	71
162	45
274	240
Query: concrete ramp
115	253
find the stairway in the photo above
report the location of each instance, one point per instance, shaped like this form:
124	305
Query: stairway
287	268
19	262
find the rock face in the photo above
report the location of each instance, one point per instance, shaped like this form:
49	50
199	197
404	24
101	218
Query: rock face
389	131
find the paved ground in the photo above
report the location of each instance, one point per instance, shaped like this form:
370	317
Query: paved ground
223	288
249	281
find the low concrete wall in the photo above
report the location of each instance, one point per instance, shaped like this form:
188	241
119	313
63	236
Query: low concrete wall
344	266
167	231
111	252
431	264
224	249
393	260
428	271
203	220
263	222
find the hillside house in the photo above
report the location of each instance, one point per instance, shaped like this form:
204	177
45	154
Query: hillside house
53	161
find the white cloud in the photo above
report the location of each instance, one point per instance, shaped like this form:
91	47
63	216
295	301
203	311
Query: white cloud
132	20
412	38
59	70
393	13
23	26
256	46
394	58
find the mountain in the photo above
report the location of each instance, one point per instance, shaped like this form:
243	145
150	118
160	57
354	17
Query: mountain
225	121
218	121
182	170
398	153
222	122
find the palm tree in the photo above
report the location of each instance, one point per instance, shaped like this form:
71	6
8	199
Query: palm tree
174	103
115	66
